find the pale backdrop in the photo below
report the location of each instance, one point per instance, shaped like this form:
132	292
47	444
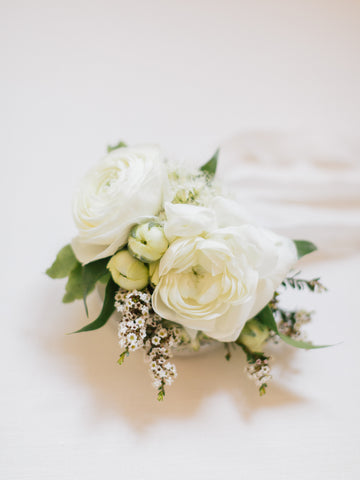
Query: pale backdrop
189	75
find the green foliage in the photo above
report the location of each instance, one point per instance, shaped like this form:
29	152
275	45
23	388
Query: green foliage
300	343
91	273
81	278
262	389
210	166
304	247
122	357
267	318
161	393
105	278
115	147
313	285
64	263
74	286
107	309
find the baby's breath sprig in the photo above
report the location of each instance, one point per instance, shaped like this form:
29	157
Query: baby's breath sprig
141	327
158	348
258	368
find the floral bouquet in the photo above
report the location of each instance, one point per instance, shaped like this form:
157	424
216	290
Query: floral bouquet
181	262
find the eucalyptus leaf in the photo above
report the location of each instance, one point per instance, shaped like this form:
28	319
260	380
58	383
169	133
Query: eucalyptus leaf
107	308
267	318
304	247
210	166
115	147
64	263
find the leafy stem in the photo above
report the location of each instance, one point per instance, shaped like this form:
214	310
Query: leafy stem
313	285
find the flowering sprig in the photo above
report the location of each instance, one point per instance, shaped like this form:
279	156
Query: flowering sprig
314	285
287	326
141	328
258	369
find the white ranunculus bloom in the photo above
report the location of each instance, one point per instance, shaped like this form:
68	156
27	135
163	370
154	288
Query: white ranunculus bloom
218	280
125	188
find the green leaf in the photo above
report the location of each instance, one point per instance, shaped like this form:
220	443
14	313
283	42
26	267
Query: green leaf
82	280
267	318
210	166
74	286
92	273
304	247
107	309
115	147
300	343
104	279
122	357
64	263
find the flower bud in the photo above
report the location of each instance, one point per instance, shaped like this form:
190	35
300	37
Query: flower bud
147	242
128	272
253	335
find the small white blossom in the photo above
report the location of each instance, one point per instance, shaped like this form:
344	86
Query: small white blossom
131	337
162	332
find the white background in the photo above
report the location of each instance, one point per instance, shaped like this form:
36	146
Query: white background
189	75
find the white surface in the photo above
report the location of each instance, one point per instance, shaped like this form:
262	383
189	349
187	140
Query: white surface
188	75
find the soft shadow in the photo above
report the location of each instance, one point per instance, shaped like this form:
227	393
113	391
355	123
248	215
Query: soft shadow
127	391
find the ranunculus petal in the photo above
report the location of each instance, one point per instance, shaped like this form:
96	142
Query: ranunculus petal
229	213
125	188
184	220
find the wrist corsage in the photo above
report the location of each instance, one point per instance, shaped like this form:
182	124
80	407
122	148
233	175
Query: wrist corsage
181	263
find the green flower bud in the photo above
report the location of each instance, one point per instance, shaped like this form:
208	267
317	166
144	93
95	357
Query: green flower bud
253	335
128	272
147	242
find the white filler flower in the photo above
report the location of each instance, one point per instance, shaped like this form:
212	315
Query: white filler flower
125	188
220	277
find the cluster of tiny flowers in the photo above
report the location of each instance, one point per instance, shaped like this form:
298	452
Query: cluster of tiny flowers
159	352
137	315
292	323
141	327
259	371
192	189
